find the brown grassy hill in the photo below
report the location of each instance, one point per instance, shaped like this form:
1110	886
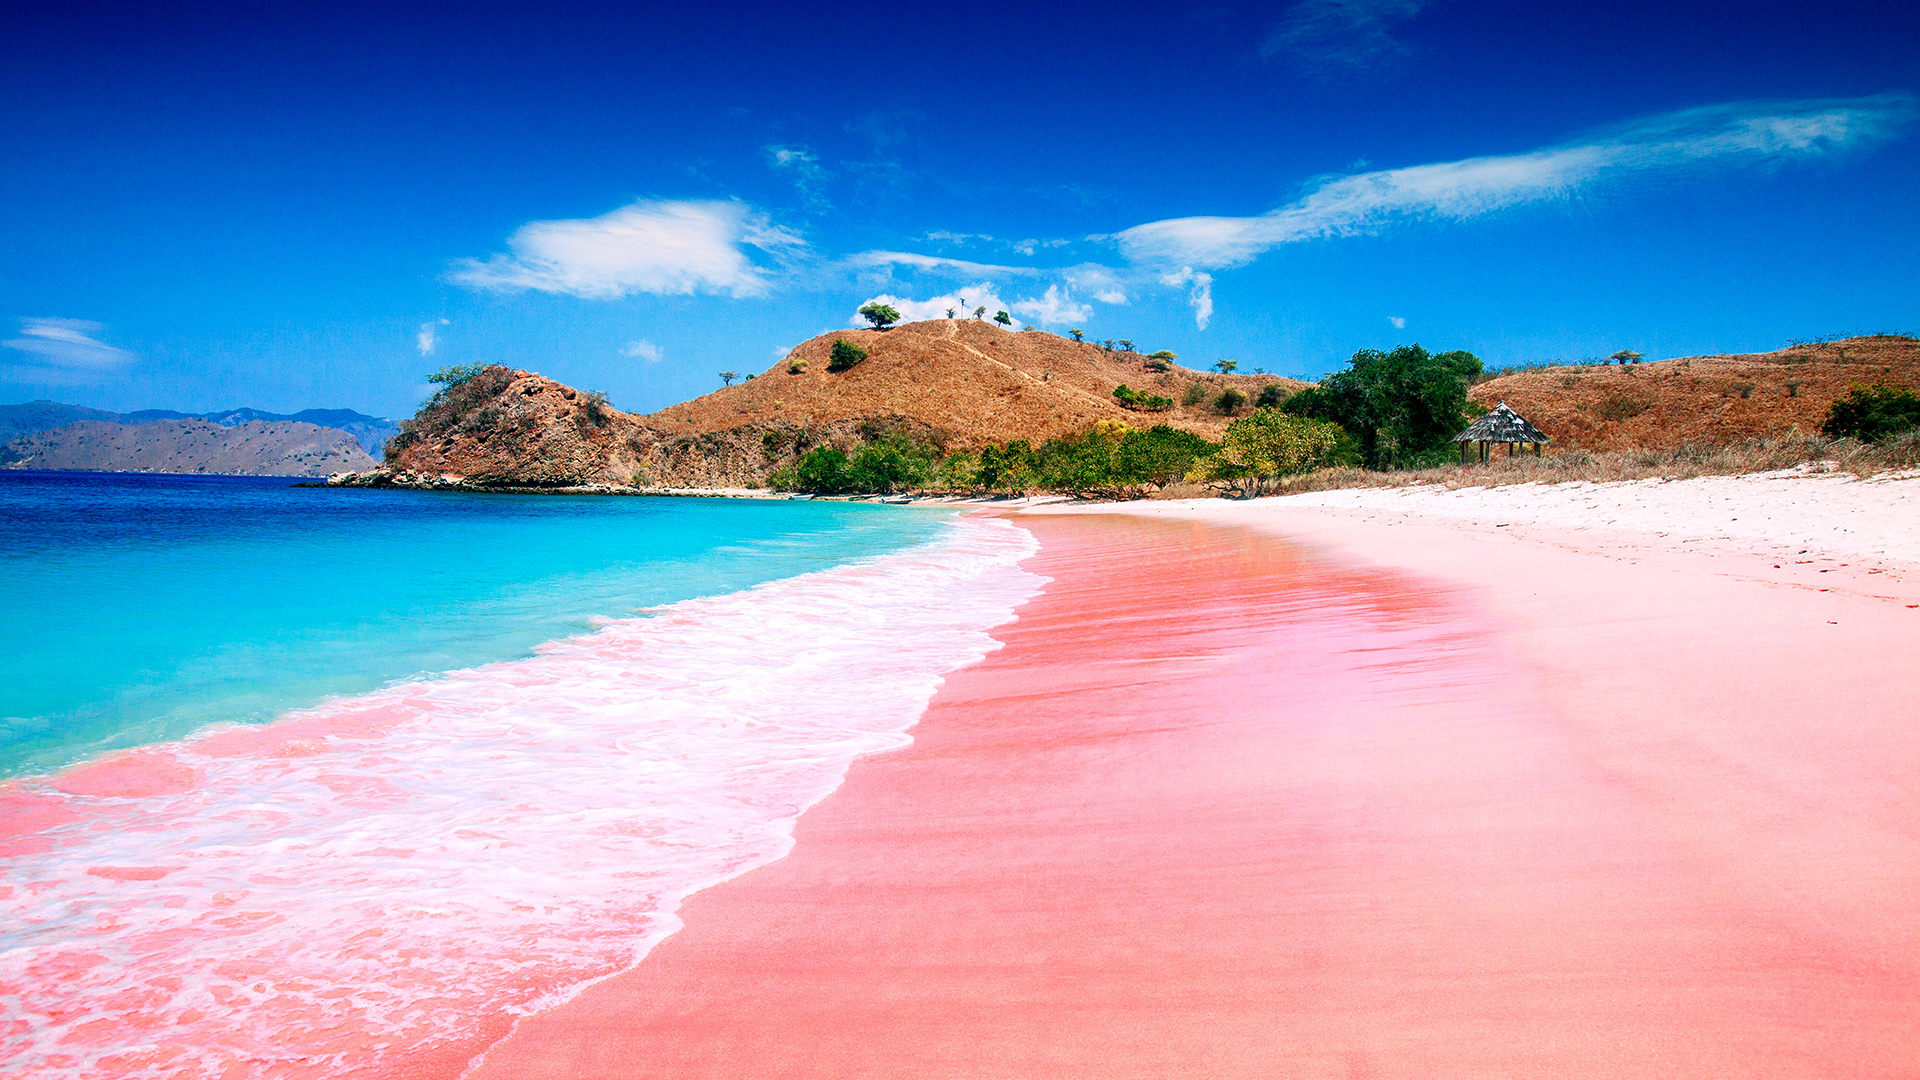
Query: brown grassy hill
1700	400
963	378
255	448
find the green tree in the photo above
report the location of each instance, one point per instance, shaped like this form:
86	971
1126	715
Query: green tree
879	314
1625	356
1078	334
1126	344
1225	367
1401	407
1003	318
949	313
980	312
727	377
1269	444
1270	395
822	470
891	463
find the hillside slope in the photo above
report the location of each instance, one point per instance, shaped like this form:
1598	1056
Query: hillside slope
1700	400
963	378
956	383
44	415
255	448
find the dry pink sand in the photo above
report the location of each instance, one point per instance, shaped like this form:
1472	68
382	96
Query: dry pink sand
1230	804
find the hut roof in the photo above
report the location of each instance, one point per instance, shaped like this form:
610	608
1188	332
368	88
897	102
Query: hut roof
1502	425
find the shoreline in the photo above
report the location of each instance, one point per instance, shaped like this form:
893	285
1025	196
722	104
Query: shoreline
1574	807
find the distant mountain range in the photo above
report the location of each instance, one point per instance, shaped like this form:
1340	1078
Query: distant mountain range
371	432
246	448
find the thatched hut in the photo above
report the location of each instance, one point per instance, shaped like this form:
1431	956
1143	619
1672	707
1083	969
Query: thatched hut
1501	425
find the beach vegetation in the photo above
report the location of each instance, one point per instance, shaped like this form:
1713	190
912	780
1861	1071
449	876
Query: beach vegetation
892	463
822	469
879	314
1402	407
1270	444
844	355
1871	413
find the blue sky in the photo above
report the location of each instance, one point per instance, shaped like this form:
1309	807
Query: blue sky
208	207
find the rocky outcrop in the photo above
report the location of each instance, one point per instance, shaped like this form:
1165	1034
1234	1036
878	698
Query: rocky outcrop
256	448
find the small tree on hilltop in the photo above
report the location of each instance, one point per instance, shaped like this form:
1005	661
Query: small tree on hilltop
1003	318
980	312
1225	367
880	315
1625	356
1126	344
1078	334
949	313
727	377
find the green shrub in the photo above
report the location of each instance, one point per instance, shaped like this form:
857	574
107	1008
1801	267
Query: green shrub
1140	401
1270	395
796	366
1268	444
1196	393
823	470
1229	401
845	355
891	463
1871	413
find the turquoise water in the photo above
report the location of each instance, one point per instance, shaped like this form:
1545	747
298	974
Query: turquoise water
136	609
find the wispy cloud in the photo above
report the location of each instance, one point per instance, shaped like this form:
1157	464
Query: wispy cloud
428	337
643	349
803	166
1199	292
658	246
1716	135
1399	323
1332	37
888	259
63	351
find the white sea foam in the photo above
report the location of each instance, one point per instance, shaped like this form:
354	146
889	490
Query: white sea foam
393	878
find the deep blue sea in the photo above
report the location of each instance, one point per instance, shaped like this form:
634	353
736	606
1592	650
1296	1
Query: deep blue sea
136	609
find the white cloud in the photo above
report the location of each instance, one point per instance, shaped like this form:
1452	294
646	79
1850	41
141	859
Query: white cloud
1053	309
643	350
662	246
962	301
63	351
1364	204
1398	322
1105	285
1199	297
780	351
427	338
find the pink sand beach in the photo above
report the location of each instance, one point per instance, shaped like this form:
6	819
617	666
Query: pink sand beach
1281	790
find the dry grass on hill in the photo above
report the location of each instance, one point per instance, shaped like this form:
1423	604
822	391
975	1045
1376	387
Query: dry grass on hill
965	378
1700	400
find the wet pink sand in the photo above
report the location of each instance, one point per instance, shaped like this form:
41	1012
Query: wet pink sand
1227	805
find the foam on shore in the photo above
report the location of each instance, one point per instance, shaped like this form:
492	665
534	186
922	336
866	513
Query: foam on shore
384	884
